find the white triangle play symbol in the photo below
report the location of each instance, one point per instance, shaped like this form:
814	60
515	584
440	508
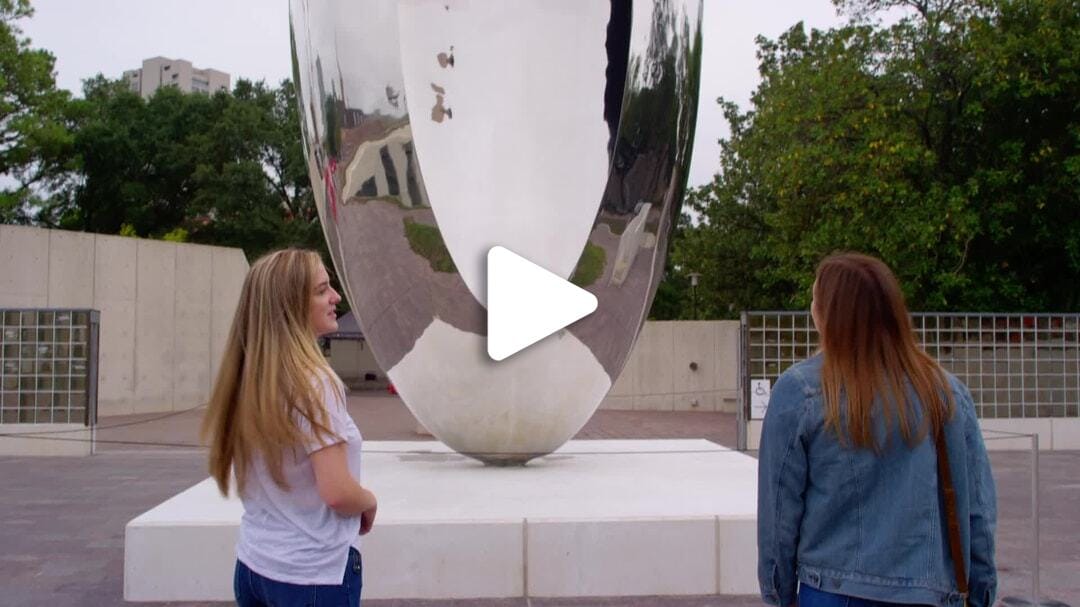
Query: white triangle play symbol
526	303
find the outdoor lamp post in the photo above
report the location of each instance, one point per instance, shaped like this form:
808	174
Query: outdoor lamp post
694	276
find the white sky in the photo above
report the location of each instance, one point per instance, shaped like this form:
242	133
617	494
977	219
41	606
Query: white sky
250	39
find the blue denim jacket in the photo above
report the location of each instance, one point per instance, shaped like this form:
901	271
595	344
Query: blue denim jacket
862	524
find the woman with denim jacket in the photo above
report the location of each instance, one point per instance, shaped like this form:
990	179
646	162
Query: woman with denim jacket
849	508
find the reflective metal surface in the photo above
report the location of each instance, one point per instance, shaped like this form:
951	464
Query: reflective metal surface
436	129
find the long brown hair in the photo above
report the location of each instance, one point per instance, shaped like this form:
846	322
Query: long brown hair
870	355
269	374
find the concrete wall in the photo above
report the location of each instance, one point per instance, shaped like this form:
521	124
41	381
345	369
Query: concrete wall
352	360
77	440
659	375
165	307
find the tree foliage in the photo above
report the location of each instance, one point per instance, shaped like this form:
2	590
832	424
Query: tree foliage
34	139
225	170
946	143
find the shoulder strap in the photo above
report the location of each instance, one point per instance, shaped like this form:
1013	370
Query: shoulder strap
948	496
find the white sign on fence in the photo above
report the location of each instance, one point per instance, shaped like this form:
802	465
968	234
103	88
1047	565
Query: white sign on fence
759	397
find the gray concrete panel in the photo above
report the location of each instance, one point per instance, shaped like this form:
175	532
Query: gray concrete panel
227	279
192	319
23	250
75	440
727	355
154	325
71	269
114	296
114	268
695	348
727	365
695	401
160	339
655	380
663	353
625	382
116	357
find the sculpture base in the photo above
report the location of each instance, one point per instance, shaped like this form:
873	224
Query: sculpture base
595	518
503	461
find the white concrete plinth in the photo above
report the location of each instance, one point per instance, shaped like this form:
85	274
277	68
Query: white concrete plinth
67	440
596	518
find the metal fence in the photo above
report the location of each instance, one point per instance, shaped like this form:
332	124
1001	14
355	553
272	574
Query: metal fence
48	366
1016	365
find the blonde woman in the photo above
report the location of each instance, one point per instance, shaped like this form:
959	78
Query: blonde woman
850	503
277	423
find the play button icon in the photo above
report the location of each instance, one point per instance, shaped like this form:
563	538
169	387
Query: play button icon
526	303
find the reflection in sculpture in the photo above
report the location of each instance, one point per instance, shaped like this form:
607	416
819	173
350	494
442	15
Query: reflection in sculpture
560	129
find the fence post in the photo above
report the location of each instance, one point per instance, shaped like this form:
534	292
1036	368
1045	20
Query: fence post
1035	517
93	349
744	384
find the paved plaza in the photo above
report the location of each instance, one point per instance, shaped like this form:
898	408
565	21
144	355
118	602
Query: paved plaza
62	519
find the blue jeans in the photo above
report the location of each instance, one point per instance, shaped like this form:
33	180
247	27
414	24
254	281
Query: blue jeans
812	597
254	590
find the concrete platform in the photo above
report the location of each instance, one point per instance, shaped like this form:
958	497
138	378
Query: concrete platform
596	518
30	440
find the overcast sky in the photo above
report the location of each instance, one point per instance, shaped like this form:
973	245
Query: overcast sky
250	39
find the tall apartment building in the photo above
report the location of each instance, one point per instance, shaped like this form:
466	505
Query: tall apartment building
160	71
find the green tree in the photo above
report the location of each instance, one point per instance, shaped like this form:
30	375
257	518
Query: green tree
945	143
226	169
34	141
256	193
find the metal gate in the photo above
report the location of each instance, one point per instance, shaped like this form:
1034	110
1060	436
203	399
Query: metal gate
48	366
1016	365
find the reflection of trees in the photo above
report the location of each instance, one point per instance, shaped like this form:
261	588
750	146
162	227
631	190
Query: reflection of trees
618	53
590	267
648	165
332	120
659	109
427	242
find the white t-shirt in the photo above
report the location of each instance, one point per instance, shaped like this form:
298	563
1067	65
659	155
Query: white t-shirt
293	536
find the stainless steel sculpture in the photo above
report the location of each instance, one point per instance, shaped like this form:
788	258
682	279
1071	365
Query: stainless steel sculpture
436	129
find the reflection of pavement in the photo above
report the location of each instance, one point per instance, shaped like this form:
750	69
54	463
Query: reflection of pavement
396	292
633	239
610	332
62	519
622	308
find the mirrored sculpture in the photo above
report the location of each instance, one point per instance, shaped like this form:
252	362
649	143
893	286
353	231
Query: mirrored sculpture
437	129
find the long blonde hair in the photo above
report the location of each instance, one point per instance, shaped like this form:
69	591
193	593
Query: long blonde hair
269	372
870	354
